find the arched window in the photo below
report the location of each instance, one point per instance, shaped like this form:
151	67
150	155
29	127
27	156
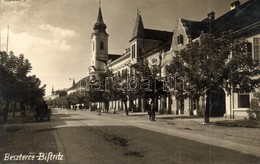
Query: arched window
101	45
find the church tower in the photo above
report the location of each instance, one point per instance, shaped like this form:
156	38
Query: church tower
99	48
52	90
137	40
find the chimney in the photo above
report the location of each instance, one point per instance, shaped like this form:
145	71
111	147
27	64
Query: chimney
211	16
126	50
235	5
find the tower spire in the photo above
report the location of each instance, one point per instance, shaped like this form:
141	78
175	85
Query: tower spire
139	26
100	26
138	11
52	90
7	39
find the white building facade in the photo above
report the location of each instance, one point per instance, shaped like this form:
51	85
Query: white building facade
158	48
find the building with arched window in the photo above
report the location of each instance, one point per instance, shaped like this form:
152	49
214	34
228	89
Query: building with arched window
158	48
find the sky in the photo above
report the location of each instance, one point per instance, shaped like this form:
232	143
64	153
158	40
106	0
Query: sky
55	35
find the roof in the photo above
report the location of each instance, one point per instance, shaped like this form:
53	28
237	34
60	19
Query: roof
246	15
141	32
82	83
122	57
195	28
113	57
242	17
164	46
157	35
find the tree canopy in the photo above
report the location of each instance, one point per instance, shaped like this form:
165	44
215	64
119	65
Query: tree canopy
210	63
15	83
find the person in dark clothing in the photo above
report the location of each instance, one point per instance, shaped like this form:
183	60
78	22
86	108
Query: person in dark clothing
153	109
149	108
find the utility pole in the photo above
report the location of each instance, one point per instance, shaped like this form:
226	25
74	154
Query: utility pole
7	39
0	24
0	28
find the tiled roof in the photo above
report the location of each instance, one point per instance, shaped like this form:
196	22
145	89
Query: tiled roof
121	58
195	28
242	17
247	14
141	32
157	35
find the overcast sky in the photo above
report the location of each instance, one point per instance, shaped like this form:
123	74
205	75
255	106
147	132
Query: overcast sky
55	34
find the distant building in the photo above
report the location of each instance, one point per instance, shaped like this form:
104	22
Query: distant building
81	85
55	94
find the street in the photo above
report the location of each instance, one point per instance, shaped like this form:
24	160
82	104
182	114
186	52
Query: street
91	137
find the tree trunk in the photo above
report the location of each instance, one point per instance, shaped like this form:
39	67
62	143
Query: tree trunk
107	106
130	105
153	114
169	109
114	108
154	104
14	108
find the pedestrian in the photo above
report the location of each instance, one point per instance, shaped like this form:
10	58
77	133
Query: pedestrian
153	109
149	107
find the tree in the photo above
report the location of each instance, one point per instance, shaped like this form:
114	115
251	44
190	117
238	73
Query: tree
15	84
97	90
213	63
150	85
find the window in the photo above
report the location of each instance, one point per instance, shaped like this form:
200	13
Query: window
180	39
257	48
101	45
133	51
243	100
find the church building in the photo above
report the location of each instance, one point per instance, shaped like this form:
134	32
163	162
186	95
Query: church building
158	47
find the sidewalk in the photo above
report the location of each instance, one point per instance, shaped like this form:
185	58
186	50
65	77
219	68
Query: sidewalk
220	121
158	116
